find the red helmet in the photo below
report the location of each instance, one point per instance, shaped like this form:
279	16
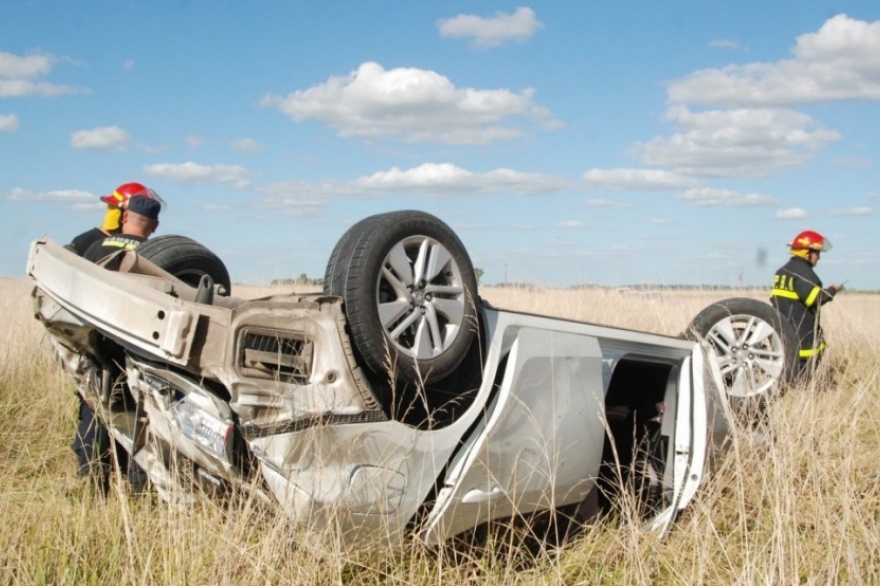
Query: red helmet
126	191
809	240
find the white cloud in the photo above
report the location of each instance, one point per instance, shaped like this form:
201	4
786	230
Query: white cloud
413	105
449	179
857	162
441	180
491	32
791	214
194	173
724	44
8	122
638	179
13	66
128	65
154	150
17	77
246	145
19	88
859	211
101	139
741	142
68	196
570	224
757	133
607	203
838	62
711	196
193	141
297	198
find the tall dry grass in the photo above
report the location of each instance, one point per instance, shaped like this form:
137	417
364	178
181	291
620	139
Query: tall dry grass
800	508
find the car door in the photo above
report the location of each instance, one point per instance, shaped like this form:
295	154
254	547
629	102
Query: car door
686	458
541	447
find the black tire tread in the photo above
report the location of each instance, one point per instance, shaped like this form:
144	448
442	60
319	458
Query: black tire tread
337	265
185	258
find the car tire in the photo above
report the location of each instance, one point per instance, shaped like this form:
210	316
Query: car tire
409	294
334	275
757	350
187	260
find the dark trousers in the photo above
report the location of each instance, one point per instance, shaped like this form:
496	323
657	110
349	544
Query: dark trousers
807	367
90	444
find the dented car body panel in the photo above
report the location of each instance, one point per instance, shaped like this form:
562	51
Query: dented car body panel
268	396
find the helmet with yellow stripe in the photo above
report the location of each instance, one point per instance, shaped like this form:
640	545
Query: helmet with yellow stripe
118	200
809	240
126	191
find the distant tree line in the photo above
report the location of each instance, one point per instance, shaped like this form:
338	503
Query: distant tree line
303	279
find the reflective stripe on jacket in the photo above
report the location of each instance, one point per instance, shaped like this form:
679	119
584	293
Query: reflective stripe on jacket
797	294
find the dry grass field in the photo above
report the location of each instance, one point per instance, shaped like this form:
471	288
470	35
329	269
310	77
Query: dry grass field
802	507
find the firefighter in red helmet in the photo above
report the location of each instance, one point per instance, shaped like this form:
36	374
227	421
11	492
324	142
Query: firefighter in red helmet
112	224
798	294
91	443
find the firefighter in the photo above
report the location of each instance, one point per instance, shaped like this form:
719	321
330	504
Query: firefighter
139	220
90	442
112	225
798	294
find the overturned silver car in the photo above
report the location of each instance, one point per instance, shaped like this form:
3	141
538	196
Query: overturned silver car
397	401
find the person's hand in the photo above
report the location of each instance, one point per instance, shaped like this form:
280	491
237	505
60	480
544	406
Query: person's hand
838	287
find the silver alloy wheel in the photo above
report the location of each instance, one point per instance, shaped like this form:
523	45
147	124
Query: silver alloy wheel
750	352
420	297
409	293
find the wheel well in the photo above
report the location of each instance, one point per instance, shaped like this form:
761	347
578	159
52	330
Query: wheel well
435	403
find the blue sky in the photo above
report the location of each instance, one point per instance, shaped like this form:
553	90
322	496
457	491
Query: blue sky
566	142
